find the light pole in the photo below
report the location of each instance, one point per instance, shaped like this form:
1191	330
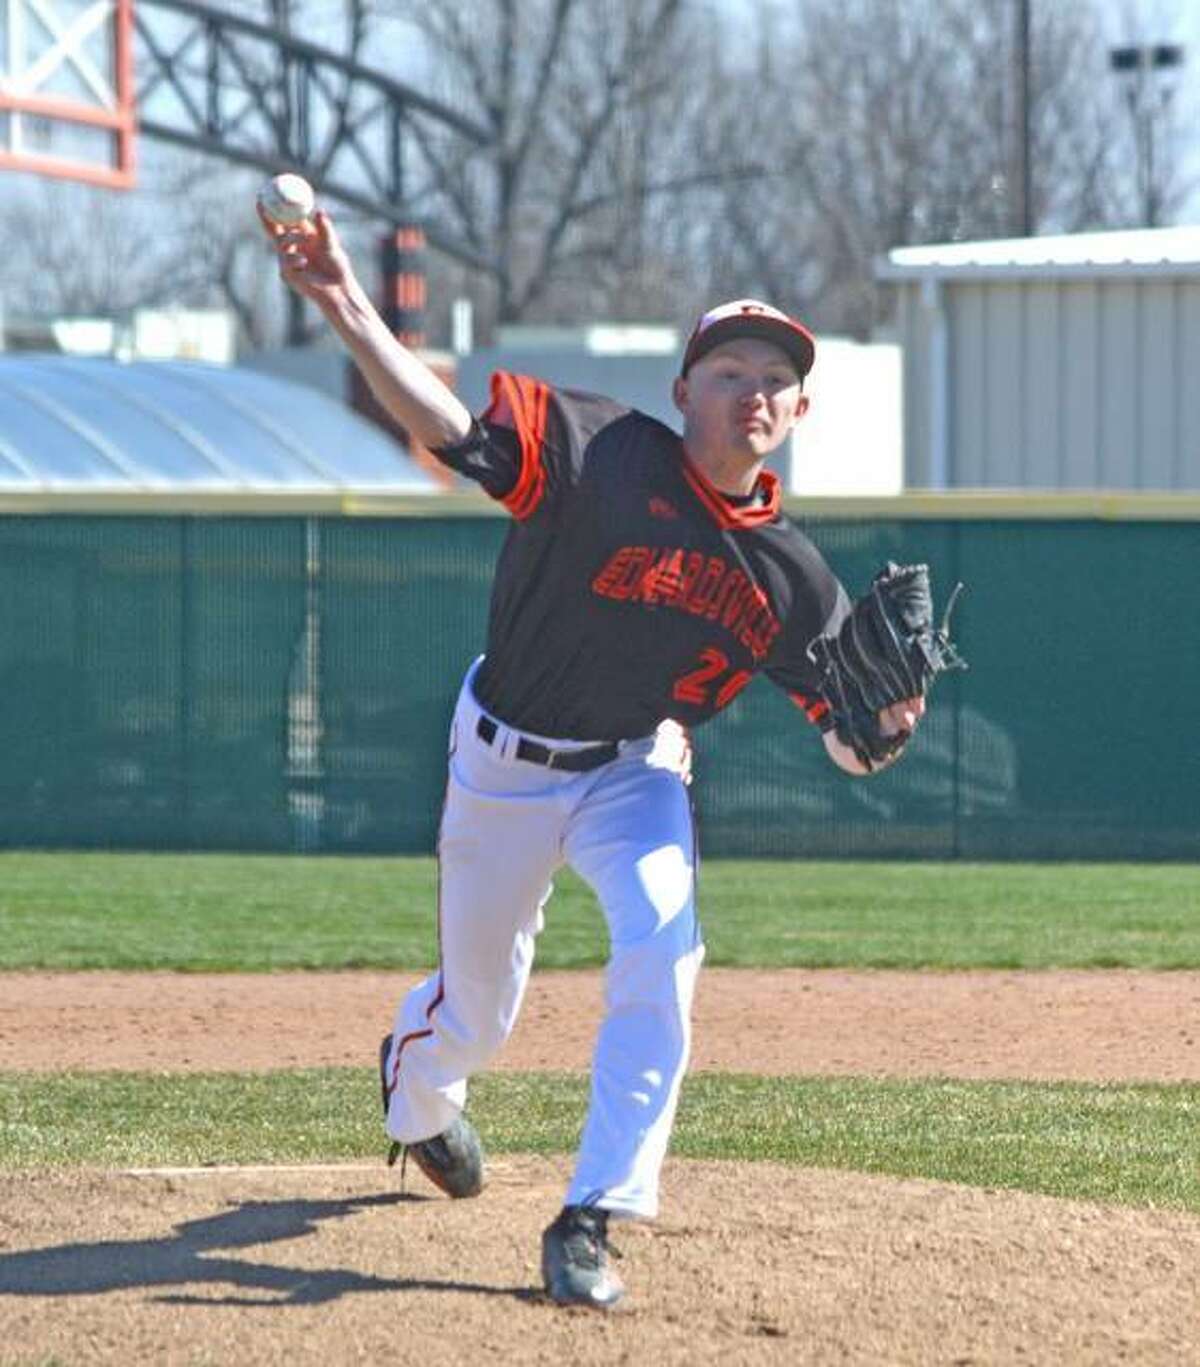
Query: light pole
1022	171
1148	93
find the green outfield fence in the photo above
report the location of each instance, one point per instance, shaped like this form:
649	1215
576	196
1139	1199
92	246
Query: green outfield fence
267	682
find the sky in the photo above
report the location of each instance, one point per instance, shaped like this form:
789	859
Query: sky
1172	20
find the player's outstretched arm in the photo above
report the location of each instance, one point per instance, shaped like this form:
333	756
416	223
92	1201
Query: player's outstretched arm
314	263
901	716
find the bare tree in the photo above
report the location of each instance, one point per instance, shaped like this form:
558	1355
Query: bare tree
108	252
646	156
94	261
591	106
891	123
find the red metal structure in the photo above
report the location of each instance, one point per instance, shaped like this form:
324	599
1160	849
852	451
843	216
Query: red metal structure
68	72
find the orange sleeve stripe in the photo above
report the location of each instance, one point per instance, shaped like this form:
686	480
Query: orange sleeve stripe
527	401
814	711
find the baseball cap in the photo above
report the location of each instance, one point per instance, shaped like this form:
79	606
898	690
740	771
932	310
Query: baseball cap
750	318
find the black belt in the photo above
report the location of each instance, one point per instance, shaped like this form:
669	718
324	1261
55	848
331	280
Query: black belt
573	761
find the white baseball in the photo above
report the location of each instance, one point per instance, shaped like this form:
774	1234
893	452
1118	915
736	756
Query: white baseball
287	199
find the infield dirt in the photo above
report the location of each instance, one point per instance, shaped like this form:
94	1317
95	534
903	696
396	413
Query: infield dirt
747	1264
1074	1025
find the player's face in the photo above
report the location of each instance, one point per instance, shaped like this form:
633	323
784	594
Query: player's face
742	400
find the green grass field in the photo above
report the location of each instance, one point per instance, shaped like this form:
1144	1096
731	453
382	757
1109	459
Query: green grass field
1129	1144
254	913
1132	1145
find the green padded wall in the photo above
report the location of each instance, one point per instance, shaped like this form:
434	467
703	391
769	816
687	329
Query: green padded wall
285	683
144	667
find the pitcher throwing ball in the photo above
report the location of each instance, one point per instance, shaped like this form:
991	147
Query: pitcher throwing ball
646	578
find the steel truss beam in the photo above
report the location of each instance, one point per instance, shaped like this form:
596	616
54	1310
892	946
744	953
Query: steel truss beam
252	94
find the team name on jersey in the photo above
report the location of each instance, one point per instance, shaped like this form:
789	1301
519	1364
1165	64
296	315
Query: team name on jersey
690	581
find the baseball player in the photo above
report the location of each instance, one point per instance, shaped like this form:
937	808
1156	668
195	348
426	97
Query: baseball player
646	578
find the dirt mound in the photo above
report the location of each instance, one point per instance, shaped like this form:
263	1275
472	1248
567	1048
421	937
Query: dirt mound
773	1265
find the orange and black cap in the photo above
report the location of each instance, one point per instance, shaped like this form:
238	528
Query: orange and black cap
750	318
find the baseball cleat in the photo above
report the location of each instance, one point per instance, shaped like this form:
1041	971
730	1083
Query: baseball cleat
452	1160
385	1048
575	1259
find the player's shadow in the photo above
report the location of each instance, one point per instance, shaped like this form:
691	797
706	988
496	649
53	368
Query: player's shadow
183	1258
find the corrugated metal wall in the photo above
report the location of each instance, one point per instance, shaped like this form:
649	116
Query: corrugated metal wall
1055	383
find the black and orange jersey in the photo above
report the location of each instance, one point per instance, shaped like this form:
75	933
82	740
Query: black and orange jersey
630	589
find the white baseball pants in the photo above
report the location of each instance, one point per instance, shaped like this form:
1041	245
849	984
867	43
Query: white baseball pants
508	824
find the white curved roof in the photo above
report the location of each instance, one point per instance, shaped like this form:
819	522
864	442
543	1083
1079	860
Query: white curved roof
85	425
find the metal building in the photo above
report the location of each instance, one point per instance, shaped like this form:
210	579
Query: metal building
1051	362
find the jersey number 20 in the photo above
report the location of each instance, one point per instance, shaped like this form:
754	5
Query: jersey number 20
697	684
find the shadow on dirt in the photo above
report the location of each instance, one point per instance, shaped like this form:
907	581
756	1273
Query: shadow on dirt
181	1259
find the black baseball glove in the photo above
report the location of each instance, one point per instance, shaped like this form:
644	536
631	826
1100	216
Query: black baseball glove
885	651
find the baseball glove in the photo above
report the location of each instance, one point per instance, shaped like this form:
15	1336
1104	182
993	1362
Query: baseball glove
885	651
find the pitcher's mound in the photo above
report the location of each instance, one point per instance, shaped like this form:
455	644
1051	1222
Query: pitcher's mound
747	1264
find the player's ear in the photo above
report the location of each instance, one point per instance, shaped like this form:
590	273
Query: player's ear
679	394
801	408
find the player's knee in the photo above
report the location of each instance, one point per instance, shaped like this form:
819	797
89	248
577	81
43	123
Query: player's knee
658	969
663	883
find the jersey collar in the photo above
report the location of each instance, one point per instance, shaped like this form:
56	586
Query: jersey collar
728	516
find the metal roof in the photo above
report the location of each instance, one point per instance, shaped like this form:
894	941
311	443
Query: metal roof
97	426
1136	252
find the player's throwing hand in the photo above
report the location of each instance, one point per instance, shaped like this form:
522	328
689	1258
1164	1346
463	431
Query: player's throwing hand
311	257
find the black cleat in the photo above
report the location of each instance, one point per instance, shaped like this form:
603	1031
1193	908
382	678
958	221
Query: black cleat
385	1048
575	1259
452	1160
